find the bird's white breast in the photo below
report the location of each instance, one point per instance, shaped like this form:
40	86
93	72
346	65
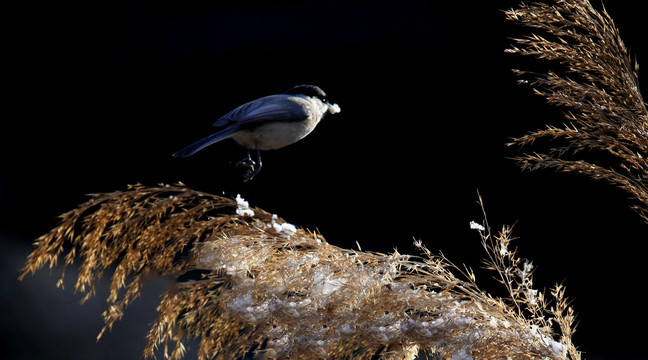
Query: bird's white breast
274	135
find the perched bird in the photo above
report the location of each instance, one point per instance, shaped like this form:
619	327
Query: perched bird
270	122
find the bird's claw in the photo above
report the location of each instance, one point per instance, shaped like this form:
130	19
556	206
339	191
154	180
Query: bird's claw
251	168
247	163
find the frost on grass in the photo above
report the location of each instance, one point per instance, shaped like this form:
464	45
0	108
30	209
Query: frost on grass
271	290
476	226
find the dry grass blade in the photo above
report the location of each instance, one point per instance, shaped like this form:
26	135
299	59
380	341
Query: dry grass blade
274	291
607	132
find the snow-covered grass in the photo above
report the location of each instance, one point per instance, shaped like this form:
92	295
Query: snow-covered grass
284	292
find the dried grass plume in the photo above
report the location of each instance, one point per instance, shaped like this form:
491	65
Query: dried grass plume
270	290
596	82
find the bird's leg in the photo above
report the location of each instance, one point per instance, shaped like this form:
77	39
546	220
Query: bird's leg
253	167
256	167
258	159
246	162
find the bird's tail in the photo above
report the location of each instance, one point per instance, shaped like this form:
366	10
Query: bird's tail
204	142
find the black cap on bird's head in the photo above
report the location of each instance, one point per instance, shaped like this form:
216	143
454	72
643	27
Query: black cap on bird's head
308	90
316	92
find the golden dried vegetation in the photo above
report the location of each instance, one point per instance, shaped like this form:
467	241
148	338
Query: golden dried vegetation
274	291
596	83
269	290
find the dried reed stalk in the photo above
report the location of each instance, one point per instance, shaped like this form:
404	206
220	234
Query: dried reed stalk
274	291
606	136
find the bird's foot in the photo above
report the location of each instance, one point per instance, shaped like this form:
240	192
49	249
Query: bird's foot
251	173
246	163
251	168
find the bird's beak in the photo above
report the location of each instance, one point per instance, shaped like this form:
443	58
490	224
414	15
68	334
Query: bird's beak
334	108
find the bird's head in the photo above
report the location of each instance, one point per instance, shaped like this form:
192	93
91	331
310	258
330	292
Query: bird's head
316	92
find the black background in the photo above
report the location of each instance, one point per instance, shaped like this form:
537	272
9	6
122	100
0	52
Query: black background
99	95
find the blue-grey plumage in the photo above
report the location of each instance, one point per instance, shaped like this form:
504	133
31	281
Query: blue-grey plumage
270	122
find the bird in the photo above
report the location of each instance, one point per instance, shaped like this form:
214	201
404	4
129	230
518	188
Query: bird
268	123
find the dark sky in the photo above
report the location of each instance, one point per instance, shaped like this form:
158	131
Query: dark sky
101	95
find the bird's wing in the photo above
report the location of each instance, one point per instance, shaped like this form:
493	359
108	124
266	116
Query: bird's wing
270	108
